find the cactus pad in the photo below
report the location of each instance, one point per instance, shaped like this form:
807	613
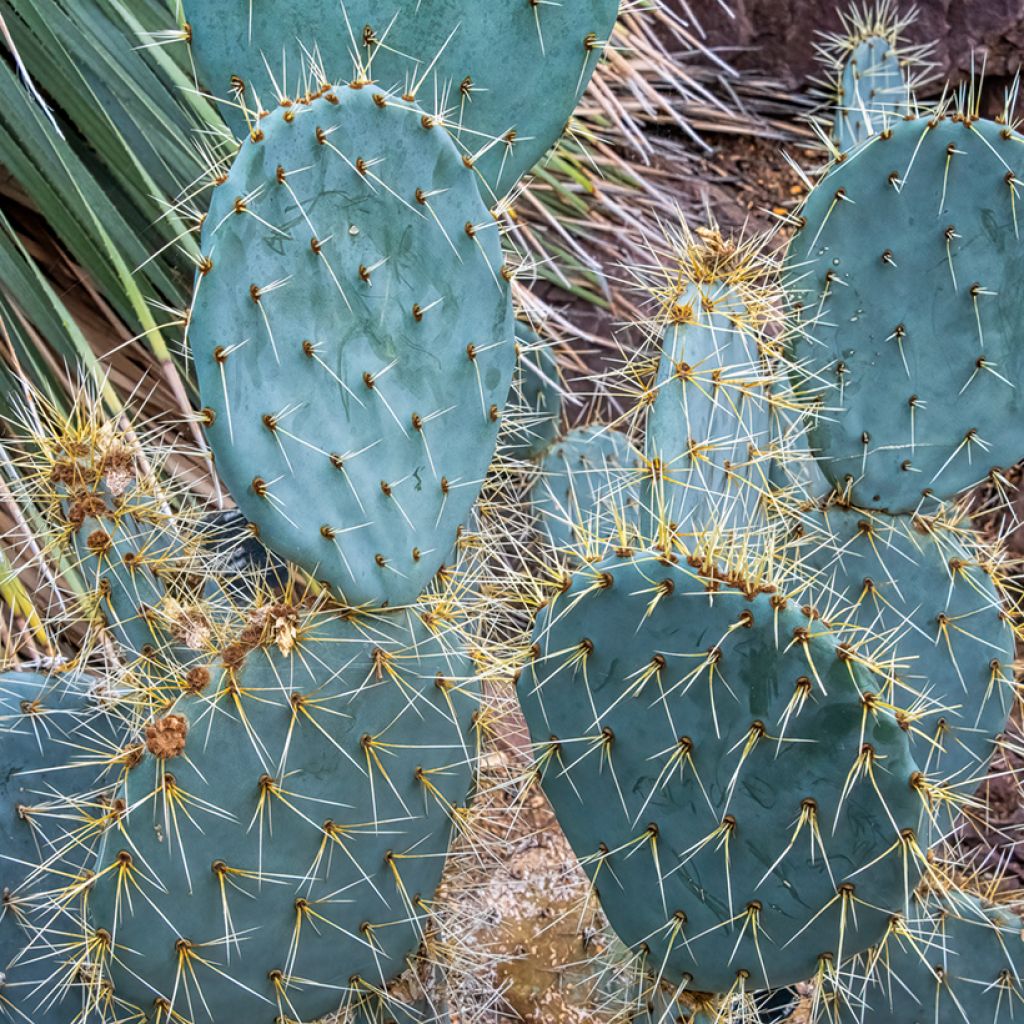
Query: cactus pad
353	337
906	274
961	959
57	753
872	92
586	487
286	827
740	799
510	73
709	428
926	589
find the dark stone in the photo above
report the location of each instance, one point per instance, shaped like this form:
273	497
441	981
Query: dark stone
244	564
777	36
776	1007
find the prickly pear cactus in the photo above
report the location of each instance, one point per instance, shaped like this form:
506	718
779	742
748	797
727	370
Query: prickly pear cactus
119	553
510	73
587	489
60	751
353	338
932	596
871	70
716	760
286	827
711	385
133	554
905	276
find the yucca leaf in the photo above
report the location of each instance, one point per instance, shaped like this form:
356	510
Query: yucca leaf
29	291
128	113
16	597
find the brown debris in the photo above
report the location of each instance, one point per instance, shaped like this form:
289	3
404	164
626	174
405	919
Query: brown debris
165	738
197	680
86	506
118	468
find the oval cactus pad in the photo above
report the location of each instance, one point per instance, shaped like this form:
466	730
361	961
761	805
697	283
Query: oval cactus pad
353	337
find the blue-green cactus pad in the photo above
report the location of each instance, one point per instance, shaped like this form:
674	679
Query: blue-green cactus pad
57	752
923	588
535	400
873	92
687	733
710	426
280	863
138	560
963	961
587	488
508	72
353	340
134	568
907	273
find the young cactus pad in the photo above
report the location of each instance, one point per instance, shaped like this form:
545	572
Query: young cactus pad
906	275
147	591
133	556
286	826
586	487
709	428
872	92
57	751
961	960
717	762
927	590
353	337
509	72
